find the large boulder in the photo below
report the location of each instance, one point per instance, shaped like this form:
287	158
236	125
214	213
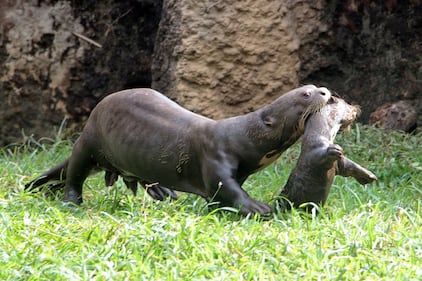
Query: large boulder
400	116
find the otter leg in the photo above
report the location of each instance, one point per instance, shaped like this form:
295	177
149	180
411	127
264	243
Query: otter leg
347	168
80	164
223	188
156	191
132	185
159	192
230	193
110	178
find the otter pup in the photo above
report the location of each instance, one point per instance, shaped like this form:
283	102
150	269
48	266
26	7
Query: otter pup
320	159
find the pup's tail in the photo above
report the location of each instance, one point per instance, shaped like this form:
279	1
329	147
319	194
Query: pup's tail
56	175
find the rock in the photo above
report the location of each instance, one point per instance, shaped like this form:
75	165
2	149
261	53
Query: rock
222	58
399	115
217	58
59	58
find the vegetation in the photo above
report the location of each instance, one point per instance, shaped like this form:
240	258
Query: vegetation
371	232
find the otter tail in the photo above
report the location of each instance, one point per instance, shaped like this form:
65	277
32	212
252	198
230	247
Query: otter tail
56	175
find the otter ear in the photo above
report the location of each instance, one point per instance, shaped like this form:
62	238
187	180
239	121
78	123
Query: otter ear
268	121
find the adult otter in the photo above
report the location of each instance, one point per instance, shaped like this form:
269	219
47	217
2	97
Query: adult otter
320	159
145	137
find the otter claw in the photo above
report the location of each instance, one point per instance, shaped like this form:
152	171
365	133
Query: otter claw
335	151
159	192
256	207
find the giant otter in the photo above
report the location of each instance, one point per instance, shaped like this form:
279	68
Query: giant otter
145	137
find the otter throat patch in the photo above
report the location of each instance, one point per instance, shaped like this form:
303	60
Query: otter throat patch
268	158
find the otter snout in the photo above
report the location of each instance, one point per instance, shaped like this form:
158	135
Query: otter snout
313	91
324	92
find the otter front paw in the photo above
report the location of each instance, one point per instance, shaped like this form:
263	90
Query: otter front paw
335	151
252	206
366	177
71	196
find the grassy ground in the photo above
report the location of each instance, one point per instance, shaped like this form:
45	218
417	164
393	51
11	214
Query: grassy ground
369	232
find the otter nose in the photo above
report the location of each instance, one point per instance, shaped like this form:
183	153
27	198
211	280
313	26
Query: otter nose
324	92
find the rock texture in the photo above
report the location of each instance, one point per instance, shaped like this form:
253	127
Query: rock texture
49	68
41	54
399	115
222	58
375	54
58	58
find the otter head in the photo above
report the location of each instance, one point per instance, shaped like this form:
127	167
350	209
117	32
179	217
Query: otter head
291	110
282	122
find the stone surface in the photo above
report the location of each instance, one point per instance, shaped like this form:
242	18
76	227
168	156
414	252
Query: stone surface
50	70
222	58
399	115
375	53
217	58
40	56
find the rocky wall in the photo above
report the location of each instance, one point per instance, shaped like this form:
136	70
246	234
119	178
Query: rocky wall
222	58
59	58
38	52
375	55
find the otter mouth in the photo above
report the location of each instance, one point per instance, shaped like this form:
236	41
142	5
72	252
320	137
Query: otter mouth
308	113
307	117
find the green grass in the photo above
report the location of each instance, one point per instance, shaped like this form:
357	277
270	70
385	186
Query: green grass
371	232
